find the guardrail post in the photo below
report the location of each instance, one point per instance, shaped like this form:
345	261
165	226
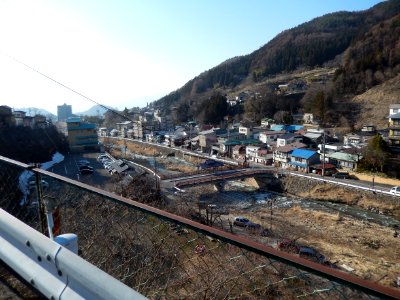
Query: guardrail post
41	205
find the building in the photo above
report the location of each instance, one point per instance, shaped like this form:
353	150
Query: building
345	160
64	112
6	116
302	159
123	128
394	127
394	109
19	117
81	136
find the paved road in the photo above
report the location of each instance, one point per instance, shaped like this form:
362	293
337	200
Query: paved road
69	168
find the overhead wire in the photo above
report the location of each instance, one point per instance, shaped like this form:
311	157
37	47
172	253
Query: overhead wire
65	86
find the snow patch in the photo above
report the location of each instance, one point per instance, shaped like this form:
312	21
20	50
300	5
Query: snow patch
23	181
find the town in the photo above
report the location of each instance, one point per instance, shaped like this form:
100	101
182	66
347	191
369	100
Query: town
302	146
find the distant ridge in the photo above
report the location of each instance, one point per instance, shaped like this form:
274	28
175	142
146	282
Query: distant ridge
32	111
96	110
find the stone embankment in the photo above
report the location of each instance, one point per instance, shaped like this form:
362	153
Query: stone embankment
317	190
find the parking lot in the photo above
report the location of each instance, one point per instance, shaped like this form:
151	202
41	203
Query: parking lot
70	168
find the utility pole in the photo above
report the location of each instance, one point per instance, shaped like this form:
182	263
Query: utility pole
323	154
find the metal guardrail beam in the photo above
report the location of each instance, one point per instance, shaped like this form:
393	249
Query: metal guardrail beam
53	270
324	179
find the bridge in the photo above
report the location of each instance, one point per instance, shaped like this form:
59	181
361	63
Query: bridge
221	176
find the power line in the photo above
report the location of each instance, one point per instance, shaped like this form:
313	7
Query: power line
65	86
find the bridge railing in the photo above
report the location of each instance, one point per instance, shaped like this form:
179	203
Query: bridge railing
165	256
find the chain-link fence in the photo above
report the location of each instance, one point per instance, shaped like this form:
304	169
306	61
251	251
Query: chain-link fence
164	256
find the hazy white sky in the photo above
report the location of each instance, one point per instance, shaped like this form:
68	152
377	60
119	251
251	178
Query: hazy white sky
127	53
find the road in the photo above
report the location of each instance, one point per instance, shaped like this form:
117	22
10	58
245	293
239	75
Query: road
69	168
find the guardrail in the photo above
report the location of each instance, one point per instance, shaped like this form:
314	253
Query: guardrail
165	256
51	269
183	151
345	184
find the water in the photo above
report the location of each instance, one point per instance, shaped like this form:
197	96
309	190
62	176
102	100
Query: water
246	197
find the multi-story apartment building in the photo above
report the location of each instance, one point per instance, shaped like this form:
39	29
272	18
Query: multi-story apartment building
394	125
64	112
81	136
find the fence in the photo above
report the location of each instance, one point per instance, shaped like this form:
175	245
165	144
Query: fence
165	256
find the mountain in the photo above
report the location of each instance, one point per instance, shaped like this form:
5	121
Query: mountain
97	110
337	40
372	59
32	111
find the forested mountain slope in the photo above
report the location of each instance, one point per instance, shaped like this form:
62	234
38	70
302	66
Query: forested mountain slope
362	45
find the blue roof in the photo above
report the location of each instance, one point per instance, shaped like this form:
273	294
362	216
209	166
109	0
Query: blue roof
294	127
73	120
278	127
303	153
290	128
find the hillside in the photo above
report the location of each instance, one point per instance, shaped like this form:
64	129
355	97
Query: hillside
374	103
372	59
336	40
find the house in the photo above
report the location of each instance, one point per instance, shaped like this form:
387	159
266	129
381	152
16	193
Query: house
286	139
30	122
5	116
239	152
206	139
123	127
265	156
394	109
81	136
252	152
40	121
308	118
281	155
270	136
302	159
345	160
314	137
329	149
394	129
103	131
358	138
247	131
19	116
266	122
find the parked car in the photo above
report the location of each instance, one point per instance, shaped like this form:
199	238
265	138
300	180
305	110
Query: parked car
311	254
395	190
342	175
86	170
243	222
32	184
102	156
86	167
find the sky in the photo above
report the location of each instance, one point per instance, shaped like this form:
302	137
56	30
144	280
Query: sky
127	53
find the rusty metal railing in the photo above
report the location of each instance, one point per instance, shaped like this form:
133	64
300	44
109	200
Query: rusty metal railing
165	256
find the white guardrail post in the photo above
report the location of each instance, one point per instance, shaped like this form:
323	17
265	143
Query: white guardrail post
53	270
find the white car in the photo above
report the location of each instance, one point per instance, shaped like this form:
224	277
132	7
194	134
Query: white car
395	190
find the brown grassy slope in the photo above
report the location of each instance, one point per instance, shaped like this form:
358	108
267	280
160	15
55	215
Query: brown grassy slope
374	103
